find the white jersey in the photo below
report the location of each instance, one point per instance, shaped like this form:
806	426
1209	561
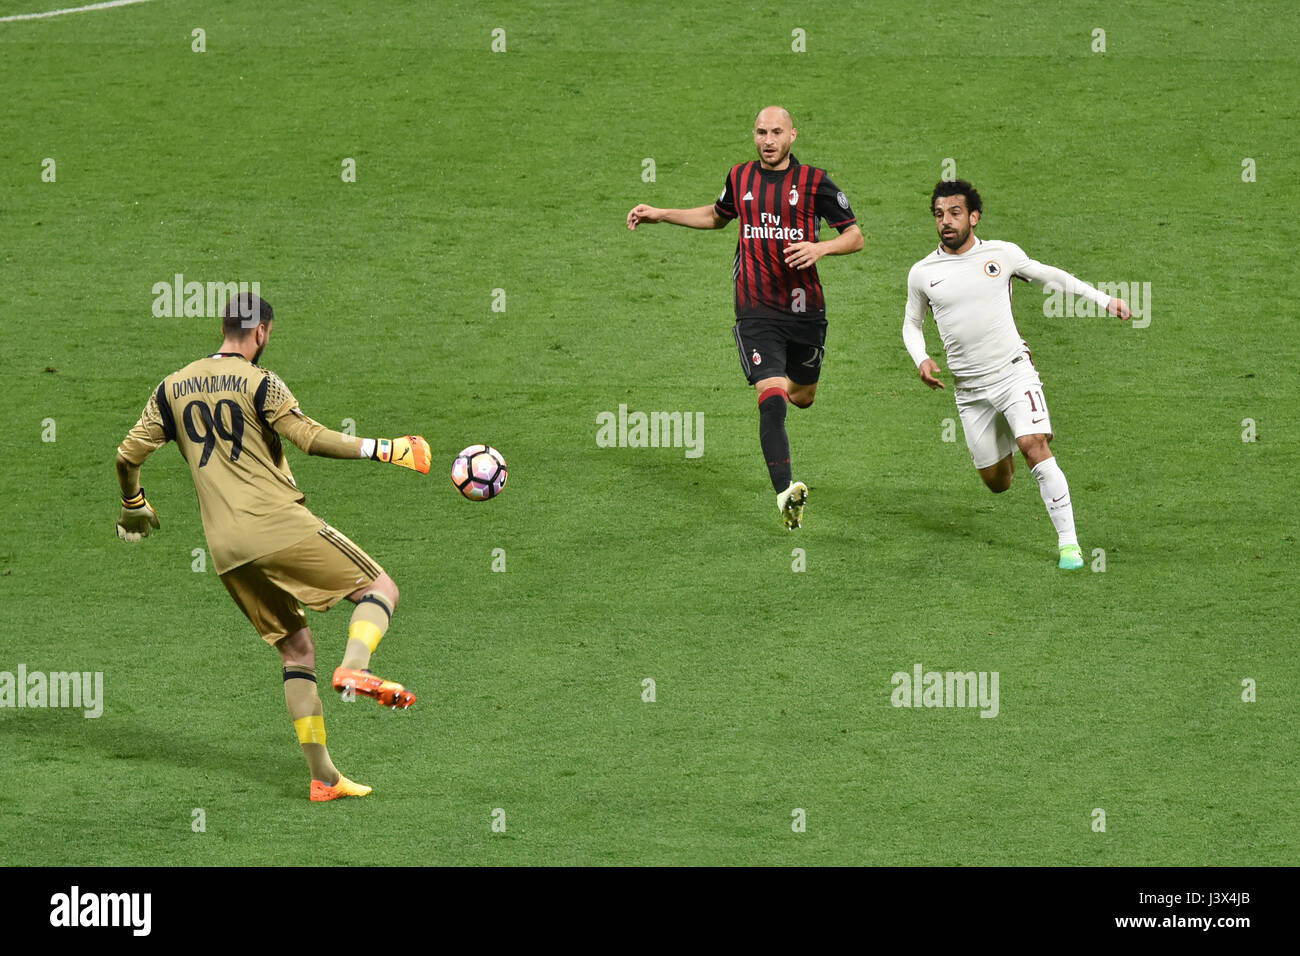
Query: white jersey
970	296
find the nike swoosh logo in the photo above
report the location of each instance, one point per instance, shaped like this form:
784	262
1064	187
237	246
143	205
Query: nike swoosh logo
935	283
1055	500
1037	420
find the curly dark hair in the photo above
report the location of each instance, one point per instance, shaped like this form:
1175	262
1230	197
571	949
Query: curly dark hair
958	187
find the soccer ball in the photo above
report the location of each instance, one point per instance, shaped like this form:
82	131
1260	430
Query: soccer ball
479	472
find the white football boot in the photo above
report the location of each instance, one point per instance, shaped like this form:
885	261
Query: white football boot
790	504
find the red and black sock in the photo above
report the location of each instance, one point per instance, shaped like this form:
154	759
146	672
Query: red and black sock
771	432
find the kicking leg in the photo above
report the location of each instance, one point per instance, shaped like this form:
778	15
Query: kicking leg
375	604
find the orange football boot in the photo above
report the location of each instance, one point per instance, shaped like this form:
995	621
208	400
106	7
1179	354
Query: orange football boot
320	791
388	693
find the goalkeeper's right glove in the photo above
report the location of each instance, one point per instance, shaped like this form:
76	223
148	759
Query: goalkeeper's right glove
136	519
409	451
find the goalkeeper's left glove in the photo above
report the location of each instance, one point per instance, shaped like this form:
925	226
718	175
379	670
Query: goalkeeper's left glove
409	451
137	518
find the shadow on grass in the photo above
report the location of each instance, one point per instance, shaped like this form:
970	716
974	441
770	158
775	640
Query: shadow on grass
60	734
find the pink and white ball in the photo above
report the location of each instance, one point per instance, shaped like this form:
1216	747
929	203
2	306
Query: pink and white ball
479	472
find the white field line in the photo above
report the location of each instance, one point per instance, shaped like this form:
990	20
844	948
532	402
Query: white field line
59	13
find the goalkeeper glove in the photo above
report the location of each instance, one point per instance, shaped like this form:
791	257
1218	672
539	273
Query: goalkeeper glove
409	451
136	518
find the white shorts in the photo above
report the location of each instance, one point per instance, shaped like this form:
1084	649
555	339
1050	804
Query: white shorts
994	416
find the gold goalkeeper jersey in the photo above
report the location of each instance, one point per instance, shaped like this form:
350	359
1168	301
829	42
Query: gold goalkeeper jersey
226	415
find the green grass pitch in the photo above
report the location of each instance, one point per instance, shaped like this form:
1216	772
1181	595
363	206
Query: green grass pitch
479	170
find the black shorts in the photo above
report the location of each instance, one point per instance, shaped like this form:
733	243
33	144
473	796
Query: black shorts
774	347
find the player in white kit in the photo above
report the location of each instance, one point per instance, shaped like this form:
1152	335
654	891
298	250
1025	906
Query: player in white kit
966	283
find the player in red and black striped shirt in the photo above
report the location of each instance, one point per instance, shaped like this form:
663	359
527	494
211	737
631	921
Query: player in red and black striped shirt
780	310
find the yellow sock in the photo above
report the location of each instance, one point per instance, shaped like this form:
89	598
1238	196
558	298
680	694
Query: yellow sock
309	722
369	622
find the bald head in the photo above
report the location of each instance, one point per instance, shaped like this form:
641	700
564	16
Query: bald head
774	114
774	133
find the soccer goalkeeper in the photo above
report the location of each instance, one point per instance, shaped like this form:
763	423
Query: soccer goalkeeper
228	416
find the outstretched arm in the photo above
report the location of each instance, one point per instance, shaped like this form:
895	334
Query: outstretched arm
409	451
1046	275
279	409
701	217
